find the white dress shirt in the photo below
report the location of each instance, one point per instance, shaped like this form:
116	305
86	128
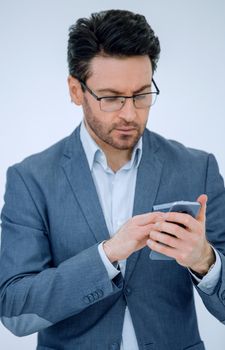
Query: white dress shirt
116	196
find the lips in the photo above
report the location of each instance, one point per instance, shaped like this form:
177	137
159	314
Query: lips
125	129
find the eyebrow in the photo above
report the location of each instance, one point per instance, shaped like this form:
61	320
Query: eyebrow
121	93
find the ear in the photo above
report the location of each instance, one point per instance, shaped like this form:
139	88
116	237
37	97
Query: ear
75	90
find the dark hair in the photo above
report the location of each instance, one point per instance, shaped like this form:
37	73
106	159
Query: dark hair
113	33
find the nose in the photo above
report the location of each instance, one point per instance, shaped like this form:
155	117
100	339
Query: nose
128	111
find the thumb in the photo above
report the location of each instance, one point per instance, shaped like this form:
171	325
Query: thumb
202	199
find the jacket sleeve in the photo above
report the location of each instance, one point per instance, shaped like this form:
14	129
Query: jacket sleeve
33	293
214	298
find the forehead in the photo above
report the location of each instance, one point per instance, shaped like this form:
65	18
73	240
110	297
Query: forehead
123	74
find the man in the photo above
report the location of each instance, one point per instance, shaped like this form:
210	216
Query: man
78	223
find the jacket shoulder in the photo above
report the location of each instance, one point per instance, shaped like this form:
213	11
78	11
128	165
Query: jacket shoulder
45	161
174	150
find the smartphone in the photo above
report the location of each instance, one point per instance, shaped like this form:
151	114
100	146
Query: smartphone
191	208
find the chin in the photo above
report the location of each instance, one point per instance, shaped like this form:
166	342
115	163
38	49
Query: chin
124	145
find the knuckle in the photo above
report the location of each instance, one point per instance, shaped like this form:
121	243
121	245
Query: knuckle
186	220
167	239
153	234
158	226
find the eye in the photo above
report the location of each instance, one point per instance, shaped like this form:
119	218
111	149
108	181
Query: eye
111	99
140	97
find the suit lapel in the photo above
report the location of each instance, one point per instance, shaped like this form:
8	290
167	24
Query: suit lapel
148	179
78	173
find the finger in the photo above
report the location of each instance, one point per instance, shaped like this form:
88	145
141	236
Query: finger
170	228
202	213
160	248
144	231
184	219
164	238
148	218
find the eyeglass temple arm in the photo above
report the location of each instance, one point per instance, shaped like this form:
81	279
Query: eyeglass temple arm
157	89
89	90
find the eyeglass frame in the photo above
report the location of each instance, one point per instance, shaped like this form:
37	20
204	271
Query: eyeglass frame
157	92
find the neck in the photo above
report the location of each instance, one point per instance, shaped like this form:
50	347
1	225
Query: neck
116	158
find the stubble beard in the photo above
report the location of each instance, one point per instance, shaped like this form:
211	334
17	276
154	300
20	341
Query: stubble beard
122	142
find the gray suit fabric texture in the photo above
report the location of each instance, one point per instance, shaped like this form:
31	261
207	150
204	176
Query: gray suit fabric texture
52	279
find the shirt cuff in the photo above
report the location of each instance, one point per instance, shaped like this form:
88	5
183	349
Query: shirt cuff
210	280
111	268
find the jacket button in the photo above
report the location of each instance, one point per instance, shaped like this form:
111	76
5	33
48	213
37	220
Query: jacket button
114	346
91	298
100	293
86	300
95	295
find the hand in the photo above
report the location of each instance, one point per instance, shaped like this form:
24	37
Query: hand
188	245
131	237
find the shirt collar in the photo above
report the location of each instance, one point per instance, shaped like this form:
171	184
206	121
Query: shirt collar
89	145
94	152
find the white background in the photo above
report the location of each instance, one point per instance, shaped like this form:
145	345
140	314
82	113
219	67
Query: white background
35	109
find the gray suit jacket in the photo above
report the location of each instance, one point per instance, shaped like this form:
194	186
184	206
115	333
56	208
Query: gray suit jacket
52	279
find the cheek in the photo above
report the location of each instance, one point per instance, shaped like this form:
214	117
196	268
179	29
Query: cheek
98	120
144	117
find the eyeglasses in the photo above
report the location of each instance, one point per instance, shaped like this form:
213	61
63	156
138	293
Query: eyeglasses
116	103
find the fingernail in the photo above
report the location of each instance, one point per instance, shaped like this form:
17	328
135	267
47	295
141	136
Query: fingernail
149	242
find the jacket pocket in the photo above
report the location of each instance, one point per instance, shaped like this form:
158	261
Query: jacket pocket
198	346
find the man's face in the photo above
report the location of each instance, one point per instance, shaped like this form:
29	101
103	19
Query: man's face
111	76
